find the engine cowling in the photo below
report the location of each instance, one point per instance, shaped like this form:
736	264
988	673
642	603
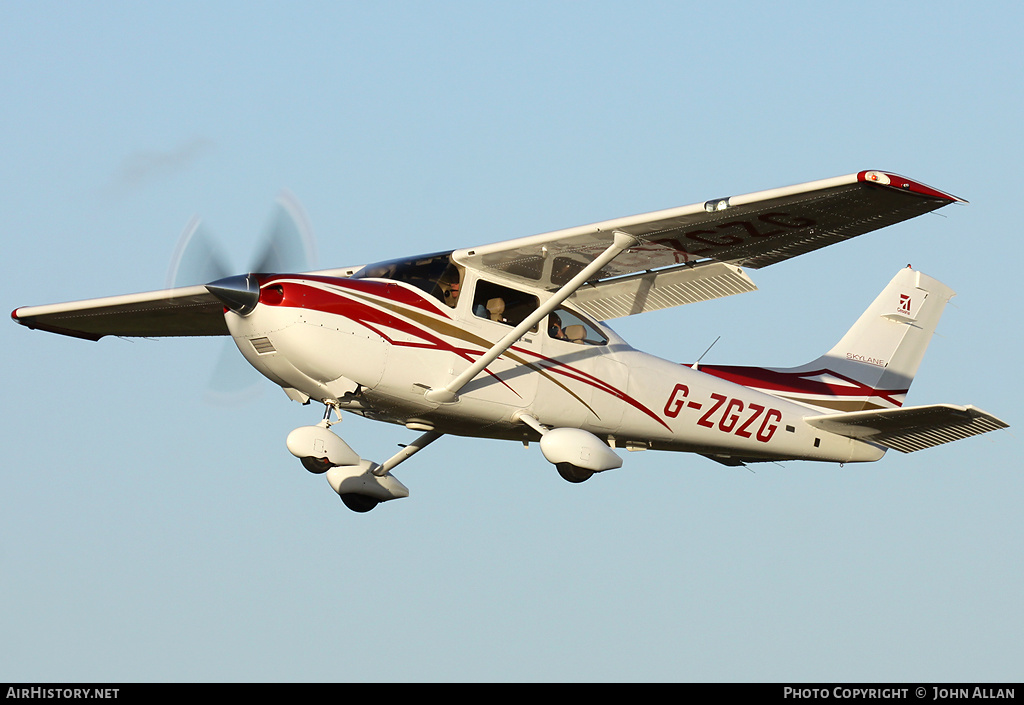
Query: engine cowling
580	448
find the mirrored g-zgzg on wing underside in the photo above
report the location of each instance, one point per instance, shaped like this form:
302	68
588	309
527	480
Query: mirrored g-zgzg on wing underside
753	230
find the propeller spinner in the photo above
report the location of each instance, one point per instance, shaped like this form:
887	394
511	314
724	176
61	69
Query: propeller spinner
240	292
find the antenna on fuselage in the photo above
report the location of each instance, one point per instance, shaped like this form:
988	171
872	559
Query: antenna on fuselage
694	365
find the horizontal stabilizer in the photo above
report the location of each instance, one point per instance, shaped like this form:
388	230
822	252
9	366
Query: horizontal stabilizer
189	310
910	428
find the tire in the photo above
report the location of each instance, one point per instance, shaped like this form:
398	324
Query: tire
359	502
317	466
573	473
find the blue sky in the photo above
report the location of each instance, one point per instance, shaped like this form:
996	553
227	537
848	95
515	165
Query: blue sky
149	534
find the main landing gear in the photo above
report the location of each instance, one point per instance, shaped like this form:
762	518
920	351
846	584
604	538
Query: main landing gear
575	453
362	484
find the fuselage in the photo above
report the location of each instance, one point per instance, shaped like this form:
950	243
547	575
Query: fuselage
373	346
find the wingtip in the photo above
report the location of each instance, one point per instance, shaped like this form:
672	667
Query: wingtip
887	178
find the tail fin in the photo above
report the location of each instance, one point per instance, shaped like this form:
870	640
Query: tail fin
885	346
872	366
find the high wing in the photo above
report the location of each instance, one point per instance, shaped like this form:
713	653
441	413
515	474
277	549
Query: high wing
686	254
189	310
753	230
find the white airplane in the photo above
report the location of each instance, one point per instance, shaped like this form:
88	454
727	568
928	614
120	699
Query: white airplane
508	341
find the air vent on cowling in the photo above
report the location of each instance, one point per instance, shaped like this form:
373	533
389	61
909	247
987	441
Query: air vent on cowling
263	345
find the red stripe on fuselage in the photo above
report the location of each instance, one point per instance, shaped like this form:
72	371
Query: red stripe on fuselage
393	291
775	381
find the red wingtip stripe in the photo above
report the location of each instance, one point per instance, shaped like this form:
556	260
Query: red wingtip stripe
885	178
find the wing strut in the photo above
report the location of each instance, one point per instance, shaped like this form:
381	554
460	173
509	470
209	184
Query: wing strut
406	452
449	393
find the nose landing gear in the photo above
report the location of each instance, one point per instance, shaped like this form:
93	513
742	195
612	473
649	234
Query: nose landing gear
362	484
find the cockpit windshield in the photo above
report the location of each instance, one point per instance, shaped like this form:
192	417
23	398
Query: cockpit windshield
434	274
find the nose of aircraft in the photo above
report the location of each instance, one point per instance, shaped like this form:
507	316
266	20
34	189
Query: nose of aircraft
240	292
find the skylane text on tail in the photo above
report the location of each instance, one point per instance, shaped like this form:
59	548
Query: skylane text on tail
509	341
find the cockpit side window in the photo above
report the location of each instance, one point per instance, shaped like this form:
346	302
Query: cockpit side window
434	274
502	304
571	327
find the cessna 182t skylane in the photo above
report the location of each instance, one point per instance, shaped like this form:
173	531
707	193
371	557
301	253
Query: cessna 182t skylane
507	341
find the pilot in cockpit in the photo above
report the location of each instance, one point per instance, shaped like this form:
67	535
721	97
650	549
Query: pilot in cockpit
555	327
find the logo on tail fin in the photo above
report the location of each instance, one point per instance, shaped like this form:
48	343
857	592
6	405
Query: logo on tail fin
904	304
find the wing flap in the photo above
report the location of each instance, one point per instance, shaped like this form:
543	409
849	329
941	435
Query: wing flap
911	428
666	288
184	311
